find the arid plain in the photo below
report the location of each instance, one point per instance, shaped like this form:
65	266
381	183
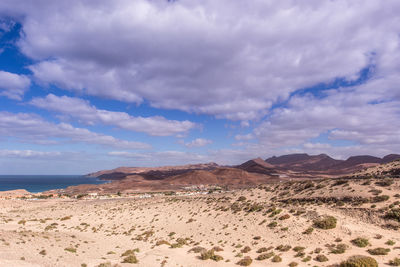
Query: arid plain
293	223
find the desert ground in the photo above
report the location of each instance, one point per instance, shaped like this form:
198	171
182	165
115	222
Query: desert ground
302	223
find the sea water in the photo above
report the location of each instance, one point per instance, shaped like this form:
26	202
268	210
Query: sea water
40	183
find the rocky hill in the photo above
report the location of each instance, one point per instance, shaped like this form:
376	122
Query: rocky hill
324	164
250	173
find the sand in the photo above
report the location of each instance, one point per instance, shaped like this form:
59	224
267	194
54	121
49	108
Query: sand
69	232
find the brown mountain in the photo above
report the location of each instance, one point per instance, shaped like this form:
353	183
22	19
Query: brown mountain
173	180
250	173
287	159
390	158
326	165
303	162
223	176
358	160
258	165
151	173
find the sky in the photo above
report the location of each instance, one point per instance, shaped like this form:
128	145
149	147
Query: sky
91	85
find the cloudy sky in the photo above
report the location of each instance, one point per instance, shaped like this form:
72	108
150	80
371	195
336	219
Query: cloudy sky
89	85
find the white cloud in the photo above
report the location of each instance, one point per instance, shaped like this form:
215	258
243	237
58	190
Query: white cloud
358	116
34	129
81	109
13	85
29	154
171	157
317	146
244	137
198	142
225	58
230	59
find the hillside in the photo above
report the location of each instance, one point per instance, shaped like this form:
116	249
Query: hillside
387	170
250	173
323	164
258	165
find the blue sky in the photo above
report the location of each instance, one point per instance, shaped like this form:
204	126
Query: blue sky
88	86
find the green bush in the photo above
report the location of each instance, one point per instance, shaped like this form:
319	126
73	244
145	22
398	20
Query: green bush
395	262
246	261
210	255
385	182
265	256
380	198
162	242
390	242
129	252
70	249
275	212
272	224
393	214
298	249
241	198
379	251
321	258
339	249
360	242
130	259
264	249
206	255
276	258
284	217
283	248
308	231
255	207
326	222
359	261
246	249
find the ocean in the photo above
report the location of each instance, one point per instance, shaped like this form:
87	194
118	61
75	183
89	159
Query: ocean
40	183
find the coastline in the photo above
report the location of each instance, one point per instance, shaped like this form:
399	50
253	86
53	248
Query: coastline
43	183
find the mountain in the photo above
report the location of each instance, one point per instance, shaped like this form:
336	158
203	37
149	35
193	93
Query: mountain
252	172
150	173
258	165
390	158
223	176
287	159
303	162
326	165
358	160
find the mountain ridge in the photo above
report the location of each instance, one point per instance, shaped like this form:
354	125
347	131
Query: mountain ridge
250	173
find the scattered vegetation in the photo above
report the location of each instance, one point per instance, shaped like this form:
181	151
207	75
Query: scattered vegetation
130	259
70	249
326	222
360	242
321	258
276	258
379	251
246	261
395	262
210	255
265	256
359	261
